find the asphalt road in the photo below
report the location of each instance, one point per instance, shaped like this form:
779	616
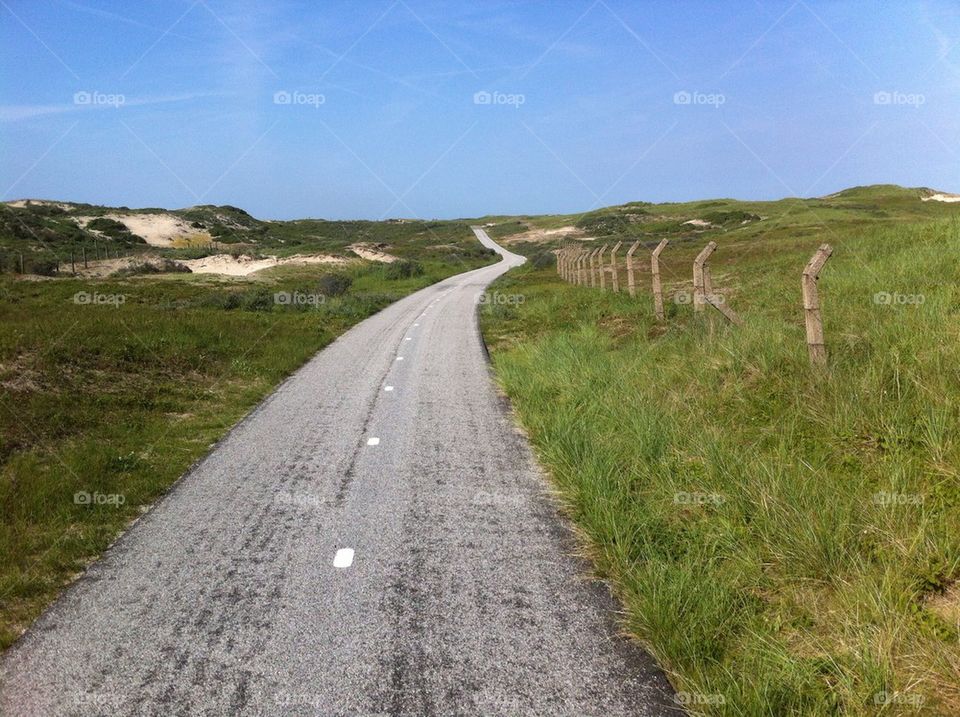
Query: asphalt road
375	538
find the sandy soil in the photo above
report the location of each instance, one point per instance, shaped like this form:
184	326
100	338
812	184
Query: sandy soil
21	203
156	229
371	253
243	265
942	197
699	222
538	235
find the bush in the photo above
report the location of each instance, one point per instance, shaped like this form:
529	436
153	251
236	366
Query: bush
334	284
403	269
543	259
161	266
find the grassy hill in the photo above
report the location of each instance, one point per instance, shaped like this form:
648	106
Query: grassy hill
728	220
784	541
50	236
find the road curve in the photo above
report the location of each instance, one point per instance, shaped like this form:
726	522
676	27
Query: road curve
238	594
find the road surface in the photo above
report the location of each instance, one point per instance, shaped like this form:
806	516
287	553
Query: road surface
375	538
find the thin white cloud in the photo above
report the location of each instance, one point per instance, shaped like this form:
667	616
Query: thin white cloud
16	113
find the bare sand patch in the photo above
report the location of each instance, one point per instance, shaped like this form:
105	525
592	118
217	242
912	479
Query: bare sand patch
22	203
942	197
372	253
243	265
542	235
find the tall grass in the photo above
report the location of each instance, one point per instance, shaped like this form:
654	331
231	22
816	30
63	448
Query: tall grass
779	537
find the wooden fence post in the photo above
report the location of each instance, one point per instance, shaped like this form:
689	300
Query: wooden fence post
631	281
657	285
699	286
614	274
703	288
811	306
593	267
602	268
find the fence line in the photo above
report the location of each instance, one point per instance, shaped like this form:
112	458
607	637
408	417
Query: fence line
585	267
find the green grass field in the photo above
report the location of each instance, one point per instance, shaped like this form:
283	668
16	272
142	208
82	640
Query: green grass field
112	388
785	542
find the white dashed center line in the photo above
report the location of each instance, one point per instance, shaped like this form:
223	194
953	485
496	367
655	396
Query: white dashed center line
415	325
373	441
343	558
388	388
408	339
399	358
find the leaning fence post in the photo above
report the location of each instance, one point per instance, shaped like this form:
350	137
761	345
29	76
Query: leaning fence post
602	268
811	306
614	275
699	287
631	282
584	268
657	286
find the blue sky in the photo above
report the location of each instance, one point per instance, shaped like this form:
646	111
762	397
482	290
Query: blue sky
369	108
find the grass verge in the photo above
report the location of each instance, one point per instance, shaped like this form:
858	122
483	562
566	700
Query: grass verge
783	542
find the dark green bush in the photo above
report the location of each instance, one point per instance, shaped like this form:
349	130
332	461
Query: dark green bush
334	284
403	269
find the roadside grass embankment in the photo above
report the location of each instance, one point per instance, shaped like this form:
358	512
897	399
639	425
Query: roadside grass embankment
111	388
784	541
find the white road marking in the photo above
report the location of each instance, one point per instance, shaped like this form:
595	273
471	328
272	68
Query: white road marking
373	441
399	358
388	388
408	339
343	558
415	325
